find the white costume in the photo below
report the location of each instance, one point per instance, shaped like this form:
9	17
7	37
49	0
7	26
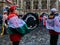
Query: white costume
57	24
50	24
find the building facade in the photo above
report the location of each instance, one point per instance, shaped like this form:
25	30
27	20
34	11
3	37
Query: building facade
35	6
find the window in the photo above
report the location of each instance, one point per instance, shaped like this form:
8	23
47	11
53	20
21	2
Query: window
59	5
52	4
35	4
19	3
15	1
28	4
1	8
44	4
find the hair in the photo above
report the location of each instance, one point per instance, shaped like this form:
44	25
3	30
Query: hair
8	12
11	10
7	9
51	16
42	14
51	13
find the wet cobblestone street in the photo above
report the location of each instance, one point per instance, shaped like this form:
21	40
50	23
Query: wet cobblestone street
36	37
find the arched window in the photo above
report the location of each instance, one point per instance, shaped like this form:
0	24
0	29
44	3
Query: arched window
35	4
44	4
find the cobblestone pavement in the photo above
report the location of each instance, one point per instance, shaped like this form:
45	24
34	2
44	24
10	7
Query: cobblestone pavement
36	37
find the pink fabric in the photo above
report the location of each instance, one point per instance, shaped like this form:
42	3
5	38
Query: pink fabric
44	20
57	22
5	17
13	20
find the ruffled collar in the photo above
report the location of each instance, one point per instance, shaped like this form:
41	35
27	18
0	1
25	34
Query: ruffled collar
11	15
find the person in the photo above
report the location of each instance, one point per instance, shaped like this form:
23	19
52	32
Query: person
41	19
51	25
4	20
16	27
14	37
44	20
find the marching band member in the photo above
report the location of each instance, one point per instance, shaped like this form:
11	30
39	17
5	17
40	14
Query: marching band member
53	25
16	27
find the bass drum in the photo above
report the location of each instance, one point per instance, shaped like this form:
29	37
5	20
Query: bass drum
31	20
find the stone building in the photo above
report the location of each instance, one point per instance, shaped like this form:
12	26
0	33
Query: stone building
33	5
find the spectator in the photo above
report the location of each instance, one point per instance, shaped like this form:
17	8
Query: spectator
41	19
4	26
44	20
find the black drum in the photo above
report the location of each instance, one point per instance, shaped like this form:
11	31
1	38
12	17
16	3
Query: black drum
32	20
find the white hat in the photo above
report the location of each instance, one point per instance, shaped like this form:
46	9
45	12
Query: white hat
54	10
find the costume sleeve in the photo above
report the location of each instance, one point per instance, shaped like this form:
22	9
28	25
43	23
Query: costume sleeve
57	21
14	21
